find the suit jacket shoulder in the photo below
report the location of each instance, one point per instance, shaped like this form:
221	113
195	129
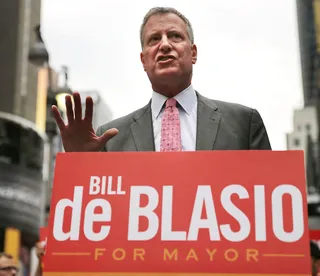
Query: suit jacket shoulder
123	124
124	121
241	127
225	107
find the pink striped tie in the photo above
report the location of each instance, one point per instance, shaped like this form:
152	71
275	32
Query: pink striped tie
170	128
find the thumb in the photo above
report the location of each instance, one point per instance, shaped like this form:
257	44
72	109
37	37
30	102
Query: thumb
105	137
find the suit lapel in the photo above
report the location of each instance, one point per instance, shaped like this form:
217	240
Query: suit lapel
142	130
208	121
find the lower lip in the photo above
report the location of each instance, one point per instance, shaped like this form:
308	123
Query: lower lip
165	61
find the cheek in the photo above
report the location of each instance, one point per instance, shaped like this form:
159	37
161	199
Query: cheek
148	62
187	59
186	55
150	56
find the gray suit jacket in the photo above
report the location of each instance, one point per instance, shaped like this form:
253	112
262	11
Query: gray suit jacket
220	126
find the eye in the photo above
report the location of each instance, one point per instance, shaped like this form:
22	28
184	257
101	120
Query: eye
176	36
153	39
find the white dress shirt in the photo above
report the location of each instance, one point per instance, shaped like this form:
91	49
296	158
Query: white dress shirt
187	106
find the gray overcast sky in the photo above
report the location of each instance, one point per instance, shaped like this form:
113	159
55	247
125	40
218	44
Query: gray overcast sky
247	52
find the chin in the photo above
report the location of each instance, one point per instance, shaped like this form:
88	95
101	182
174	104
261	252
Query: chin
168	73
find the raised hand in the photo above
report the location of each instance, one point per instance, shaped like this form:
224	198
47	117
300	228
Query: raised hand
78	135
40	249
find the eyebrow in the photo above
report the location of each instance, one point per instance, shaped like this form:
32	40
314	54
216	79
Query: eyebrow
152	33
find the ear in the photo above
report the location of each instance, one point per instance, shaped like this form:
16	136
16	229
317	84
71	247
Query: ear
143	60
194	53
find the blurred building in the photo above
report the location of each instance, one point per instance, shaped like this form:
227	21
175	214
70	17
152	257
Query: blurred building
22	141
306	121
304	137
306	11
18	78
44	74
21	186
101	112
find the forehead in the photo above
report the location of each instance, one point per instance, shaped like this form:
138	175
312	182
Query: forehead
163	22
4	262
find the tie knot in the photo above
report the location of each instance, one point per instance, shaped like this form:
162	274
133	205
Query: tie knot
171	102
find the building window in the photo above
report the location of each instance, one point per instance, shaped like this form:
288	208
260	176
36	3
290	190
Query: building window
308	127
296	142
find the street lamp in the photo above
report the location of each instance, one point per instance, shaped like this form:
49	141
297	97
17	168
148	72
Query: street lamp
39	56
63	91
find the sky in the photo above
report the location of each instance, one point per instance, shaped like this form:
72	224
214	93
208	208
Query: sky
248	53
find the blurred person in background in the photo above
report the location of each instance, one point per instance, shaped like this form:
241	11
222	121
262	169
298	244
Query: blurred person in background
8	266
315	258
40	250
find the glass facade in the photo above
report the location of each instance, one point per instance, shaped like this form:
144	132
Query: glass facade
21	185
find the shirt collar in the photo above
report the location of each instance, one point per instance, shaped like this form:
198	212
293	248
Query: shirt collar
186	99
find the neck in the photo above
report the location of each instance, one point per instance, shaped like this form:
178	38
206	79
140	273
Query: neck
170	90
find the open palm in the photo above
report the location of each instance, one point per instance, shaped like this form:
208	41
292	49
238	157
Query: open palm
78	135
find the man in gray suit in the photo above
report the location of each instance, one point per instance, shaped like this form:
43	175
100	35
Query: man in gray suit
177	117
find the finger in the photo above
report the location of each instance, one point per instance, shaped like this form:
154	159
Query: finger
105	137
69	109
39	245
58	118
40	251
89	109
77	106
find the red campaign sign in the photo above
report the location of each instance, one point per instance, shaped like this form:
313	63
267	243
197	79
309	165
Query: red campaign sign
43	234
315	235
184	213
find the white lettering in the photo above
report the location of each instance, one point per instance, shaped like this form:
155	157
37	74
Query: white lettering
61	206
91	217
234	211
297	213
135	212
109	191
260	213
119	184
94	188
166	227
203	199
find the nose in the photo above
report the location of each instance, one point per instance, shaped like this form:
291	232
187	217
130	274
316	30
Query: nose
165	45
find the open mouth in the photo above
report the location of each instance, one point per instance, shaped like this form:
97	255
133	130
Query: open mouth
165	58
